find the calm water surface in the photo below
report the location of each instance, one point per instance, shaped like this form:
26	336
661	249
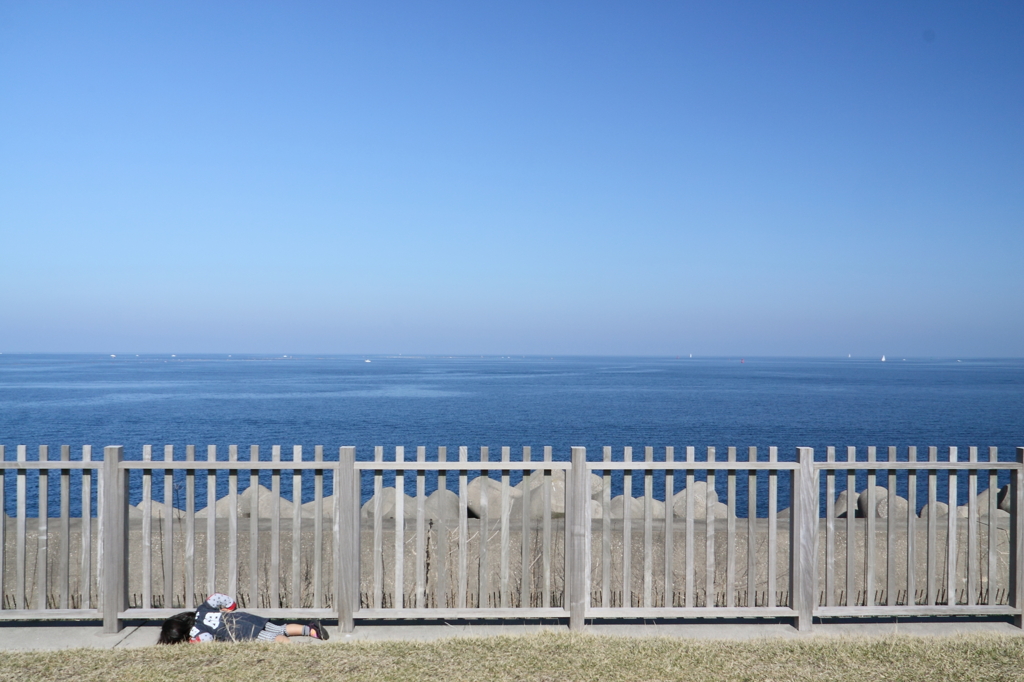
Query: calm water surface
516	401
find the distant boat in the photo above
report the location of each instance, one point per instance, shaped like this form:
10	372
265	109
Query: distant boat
883	358
365	360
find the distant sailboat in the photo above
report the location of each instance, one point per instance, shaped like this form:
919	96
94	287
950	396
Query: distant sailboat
883	358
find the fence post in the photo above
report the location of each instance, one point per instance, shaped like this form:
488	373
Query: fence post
346	538
579	528
115	538
804	566
1017	538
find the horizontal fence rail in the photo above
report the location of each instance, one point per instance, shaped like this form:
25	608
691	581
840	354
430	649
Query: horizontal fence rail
715	533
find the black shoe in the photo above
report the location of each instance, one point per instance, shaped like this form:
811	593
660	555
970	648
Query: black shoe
321	632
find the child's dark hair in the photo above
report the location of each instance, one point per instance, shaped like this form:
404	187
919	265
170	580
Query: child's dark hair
175	629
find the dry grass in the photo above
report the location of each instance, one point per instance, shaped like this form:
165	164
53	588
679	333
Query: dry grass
547	656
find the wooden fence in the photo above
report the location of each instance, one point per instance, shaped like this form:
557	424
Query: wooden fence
512	537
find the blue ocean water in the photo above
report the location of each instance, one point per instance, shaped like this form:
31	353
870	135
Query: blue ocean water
496	401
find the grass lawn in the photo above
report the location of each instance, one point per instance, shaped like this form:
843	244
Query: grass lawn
547	656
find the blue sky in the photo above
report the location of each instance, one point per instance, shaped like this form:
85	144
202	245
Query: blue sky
556	178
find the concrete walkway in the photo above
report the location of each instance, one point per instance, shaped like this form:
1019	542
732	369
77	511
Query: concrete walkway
38	637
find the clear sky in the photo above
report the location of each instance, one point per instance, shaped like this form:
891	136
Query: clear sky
715	178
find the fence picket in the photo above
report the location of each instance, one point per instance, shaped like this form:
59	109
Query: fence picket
670	531
951	533
505	505
691	587
167	528
43	531
378	530
972	530
442	536
86	580
730	533
709	534
399	593
891	589
648	529
275	529
526	571
751	529
851	527
211	522
318	529
911	528
421	531
869	534
993	497
21	531
232	522
933	572
830	530
147	539
606	532
546	533
296	588
64	569
627	530
484	576
773	528
254	526
463	597
190	530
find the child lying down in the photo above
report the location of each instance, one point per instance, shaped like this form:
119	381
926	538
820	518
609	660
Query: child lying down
217	620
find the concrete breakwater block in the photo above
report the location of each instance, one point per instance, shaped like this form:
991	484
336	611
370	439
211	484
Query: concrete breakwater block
267	501
636	508
700	492
881	511
941	509
1002	500
962	511
902	505
485	488
842	505
445	503
439	504
387	505
862	505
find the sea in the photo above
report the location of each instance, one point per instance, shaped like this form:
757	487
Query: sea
515	401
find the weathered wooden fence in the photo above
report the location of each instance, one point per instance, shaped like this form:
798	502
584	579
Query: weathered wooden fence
513	537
